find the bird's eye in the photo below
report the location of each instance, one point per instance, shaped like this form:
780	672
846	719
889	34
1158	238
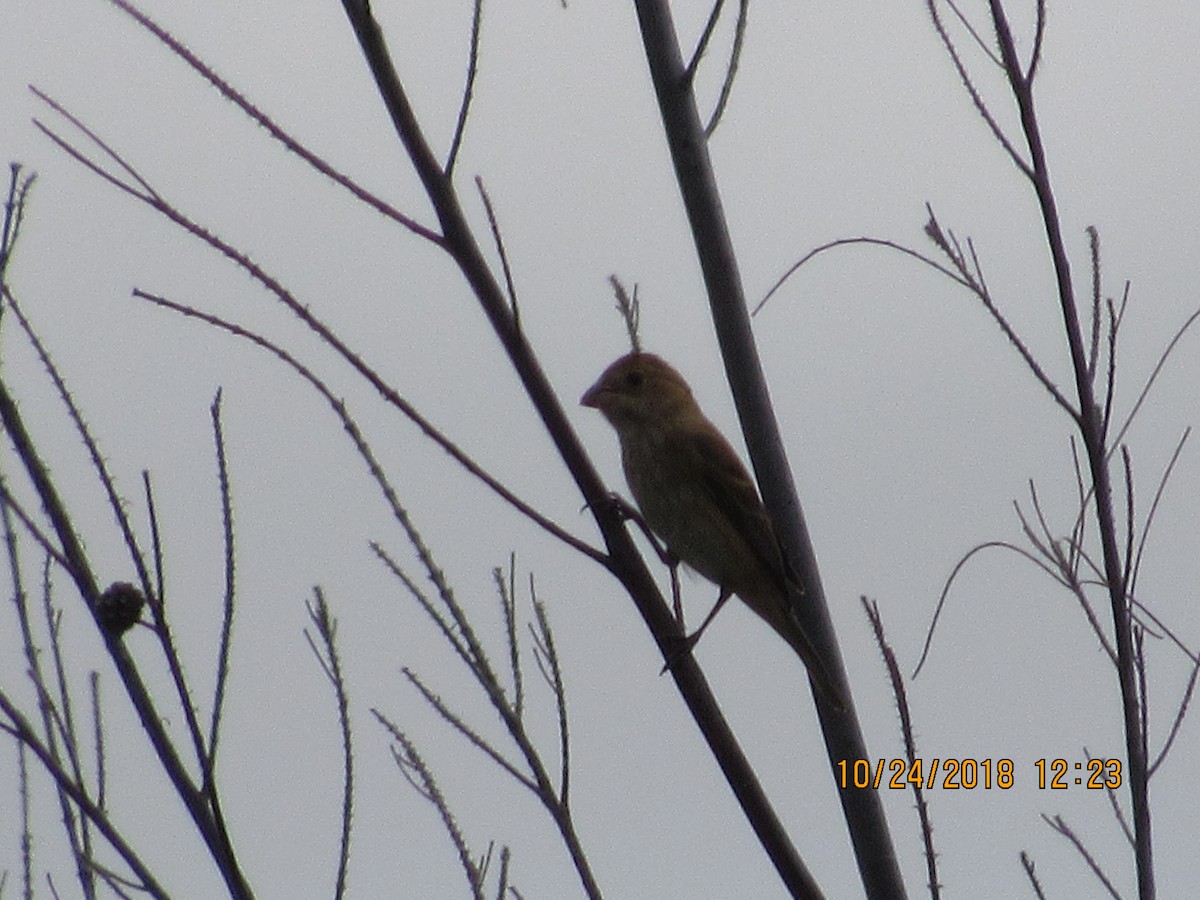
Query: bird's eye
634	379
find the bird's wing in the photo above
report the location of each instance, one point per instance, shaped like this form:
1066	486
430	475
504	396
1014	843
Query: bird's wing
732	491
727	483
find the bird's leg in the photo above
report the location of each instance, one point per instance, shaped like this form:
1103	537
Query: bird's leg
671	561
630	514
626	511
694	638
676	599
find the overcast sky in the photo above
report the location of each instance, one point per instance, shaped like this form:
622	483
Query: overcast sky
911	423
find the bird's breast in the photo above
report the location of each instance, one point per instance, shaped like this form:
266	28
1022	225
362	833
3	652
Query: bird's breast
680	509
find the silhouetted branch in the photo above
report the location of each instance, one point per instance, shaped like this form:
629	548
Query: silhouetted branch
900	695
325	649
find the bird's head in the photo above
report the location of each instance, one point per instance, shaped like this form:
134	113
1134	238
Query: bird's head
639	389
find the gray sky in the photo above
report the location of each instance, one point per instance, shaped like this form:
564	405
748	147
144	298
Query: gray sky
910	421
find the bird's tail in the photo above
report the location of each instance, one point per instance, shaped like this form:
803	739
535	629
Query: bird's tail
774	602
822	678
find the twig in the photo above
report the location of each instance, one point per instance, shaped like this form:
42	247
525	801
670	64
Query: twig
331	663
900	695
464	105
1058	824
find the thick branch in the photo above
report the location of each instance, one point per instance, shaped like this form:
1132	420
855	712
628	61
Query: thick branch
863	810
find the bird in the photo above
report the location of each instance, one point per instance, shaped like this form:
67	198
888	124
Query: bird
694	493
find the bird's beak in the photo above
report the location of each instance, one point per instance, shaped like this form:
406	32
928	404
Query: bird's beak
592	396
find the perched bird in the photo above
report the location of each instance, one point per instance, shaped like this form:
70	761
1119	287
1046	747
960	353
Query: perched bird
694	493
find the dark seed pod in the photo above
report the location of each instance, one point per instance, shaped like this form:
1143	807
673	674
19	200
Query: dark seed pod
119	608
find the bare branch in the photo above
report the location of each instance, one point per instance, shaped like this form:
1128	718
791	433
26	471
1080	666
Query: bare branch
331	662
421	777
395	399
714	15
1158	495
900	694
214	730
976	98
261	118
1058	824
19	728
735	57
464	106
1020	551
1093	353
499	241
1027	865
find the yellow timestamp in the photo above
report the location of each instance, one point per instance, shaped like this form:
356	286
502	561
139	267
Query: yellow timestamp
1060	774
970	773
950	774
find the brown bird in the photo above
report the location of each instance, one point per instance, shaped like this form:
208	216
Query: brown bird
693	492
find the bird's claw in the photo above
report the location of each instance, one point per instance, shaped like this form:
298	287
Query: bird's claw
623	507
684	649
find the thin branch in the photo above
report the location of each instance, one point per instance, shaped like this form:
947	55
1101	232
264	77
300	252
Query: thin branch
1110	383
1158	495
444	624
421	778
43	540
464	106
426	427
714	15
149	715
844	242
158	595
1005	545
975	35
499	241
1158	367
1130	527
1094	250
330	659
26	830
1083	493
552	668
115	501
973	275
456	722
1115	803
1177	722
261	118
980	106
98	738
1027	865
735	58
508	604
900	695
228	606
1058	824
1039	34
14	213
20	729
960	274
